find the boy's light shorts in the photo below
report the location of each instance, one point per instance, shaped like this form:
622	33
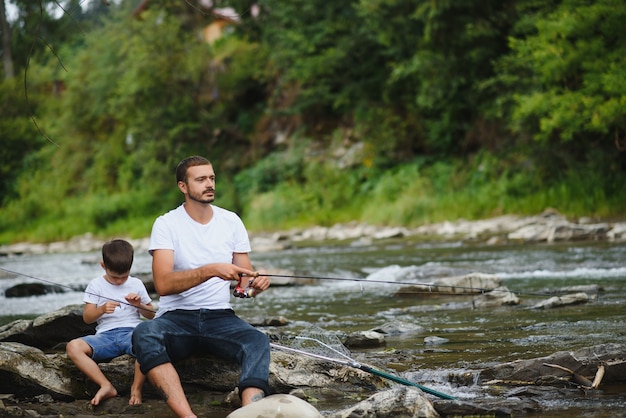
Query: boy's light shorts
110	344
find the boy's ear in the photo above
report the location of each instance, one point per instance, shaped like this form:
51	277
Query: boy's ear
102	265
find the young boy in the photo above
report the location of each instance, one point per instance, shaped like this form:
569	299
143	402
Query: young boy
115	301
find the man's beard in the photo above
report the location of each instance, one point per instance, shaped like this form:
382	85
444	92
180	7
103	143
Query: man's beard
200	198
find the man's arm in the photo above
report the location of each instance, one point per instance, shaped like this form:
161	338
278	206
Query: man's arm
169	282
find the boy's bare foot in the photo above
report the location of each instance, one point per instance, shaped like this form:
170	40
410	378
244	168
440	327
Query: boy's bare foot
104	393
135	398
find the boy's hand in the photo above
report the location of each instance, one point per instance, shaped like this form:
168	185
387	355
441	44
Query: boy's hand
109	307
134	299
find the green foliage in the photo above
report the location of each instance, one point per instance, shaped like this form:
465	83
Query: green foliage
440	100
324	196
569	72
19	136
439	55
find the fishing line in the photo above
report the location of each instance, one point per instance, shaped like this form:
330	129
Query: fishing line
431	288
74	290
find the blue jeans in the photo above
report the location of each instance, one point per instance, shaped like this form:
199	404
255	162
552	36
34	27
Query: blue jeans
176	335
110	344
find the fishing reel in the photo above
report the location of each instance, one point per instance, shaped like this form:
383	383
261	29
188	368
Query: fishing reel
248	292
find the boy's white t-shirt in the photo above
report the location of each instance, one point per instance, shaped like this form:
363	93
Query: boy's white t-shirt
194	245
99	292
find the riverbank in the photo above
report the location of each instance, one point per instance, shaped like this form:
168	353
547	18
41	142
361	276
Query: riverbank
549	226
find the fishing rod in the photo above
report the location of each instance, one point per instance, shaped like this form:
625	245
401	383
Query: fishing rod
432	288
74	290
355	364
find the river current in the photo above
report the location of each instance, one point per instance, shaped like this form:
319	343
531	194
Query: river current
465	338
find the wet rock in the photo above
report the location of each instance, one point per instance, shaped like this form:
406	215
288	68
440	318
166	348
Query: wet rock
49	330
496	408
286	406
399	328
398	402
469	284
289	372
263	321
32	289
497	297
364	339
434	340
584	361
590	289
560	301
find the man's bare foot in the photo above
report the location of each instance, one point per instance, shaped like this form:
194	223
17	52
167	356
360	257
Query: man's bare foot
135	398
103	394
250	395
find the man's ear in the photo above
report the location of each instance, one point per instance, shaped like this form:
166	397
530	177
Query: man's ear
182	186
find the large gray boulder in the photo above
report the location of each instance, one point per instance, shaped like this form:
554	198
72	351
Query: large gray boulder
49	330
584	362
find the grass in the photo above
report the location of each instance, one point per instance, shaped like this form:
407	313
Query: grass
319	194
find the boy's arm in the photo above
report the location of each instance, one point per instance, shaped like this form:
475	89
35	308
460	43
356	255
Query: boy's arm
148	311
93	312
144	309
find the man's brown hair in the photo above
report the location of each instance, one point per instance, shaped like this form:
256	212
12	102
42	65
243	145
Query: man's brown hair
181	168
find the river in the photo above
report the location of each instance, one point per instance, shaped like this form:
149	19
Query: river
470	339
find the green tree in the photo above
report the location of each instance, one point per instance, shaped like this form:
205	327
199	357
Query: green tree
568	69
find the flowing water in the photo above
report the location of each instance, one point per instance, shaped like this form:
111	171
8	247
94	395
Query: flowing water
470	339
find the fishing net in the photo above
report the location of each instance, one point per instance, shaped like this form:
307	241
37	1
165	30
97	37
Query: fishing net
318	341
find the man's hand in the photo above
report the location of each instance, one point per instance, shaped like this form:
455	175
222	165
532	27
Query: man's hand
228	271
260	283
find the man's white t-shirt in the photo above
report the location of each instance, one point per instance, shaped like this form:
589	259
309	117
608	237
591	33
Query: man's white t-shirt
99	292
194	245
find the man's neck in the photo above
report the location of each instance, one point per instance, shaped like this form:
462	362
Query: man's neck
199	212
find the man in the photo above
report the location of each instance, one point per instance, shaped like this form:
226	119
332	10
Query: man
197	249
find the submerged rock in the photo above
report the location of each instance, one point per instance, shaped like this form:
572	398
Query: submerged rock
468	284
565	300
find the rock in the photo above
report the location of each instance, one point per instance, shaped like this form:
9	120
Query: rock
554	227
549	226
590	289
495	408
262	321
289	372
364	339
284	406
32	289
434	340
399	328
48	330
28	372
469	284
559	301
403	401
497	297
584	361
